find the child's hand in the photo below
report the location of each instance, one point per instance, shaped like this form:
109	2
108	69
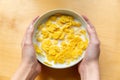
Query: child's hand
89	68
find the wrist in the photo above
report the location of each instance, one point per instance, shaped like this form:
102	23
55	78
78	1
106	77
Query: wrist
89	71
33	68
30	68
25	72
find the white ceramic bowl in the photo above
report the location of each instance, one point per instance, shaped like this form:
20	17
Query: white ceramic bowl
44	18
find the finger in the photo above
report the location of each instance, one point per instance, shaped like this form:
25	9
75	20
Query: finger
29	33
88	21
91	30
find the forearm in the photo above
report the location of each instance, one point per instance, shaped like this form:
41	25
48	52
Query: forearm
90	71
24	72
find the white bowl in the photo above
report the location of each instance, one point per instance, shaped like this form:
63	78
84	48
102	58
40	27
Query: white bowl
43	18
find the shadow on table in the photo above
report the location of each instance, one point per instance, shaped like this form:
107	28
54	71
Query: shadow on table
59	74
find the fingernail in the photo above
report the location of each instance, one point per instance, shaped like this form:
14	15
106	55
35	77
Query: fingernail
85	18
35	19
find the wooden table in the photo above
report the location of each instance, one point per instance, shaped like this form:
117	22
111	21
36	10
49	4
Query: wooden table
15	16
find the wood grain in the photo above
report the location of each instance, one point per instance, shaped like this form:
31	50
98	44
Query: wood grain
15	16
